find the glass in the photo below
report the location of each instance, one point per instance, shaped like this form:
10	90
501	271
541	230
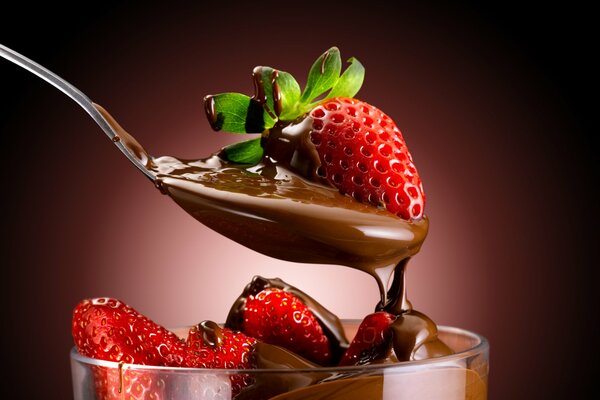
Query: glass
463	376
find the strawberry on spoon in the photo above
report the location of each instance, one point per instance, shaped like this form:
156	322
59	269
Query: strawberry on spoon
344	142
363	154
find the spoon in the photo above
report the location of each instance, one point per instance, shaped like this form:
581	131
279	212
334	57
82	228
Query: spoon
288	219
81	99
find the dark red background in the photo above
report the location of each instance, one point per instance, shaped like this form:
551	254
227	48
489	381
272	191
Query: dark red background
493	103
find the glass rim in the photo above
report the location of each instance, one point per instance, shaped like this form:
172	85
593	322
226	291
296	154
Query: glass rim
480	347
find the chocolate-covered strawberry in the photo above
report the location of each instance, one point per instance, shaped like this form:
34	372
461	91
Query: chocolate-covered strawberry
277	313
346	143
280	318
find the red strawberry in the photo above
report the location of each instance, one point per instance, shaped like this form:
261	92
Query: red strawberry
280	318
108	329
131	385
363	154
373	340
210	346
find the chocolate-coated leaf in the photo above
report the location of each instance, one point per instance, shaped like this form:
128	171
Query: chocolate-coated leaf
236	113
264	77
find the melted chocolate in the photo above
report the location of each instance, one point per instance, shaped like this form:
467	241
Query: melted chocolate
415	337
282	208
132	145
272	210
273	357
212	333
458	384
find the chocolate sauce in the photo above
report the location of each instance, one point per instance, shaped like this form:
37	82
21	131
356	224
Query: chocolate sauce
458	384
277	358
282	208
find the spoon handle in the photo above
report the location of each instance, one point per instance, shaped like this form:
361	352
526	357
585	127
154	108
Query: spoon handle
74	94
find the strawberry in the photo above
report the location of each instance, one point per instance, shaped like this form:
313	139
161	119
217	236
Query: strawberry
277	317
210	346
363	154
356	148
373	340
112	384
108	329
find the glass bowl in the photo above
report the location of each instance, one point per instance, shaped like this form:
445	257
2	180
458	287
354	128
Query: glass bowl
463	375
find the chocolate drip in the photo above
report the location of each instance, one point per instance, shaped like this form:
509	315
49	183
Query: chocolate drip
415	337
132	145
211	115
276	92
260	93
212	333
290	148
397	300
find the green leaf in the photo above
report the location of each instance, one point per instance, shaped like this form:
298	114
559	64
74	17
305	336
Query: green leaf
350	82
247	152
323	74
289	91
236	113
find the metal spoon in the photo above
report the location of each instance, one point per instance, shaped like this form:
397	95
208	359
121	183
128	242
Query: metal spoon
79	98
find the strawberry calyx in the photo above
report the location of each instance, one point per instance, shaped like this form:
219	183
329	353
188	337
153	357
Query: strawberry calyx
278	100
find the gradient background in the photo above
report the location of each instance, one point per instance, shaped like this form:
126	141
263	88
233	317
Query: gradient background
492	102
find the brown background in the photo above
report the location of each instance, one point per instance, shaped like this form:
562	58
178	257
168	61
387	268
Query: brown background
492	102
